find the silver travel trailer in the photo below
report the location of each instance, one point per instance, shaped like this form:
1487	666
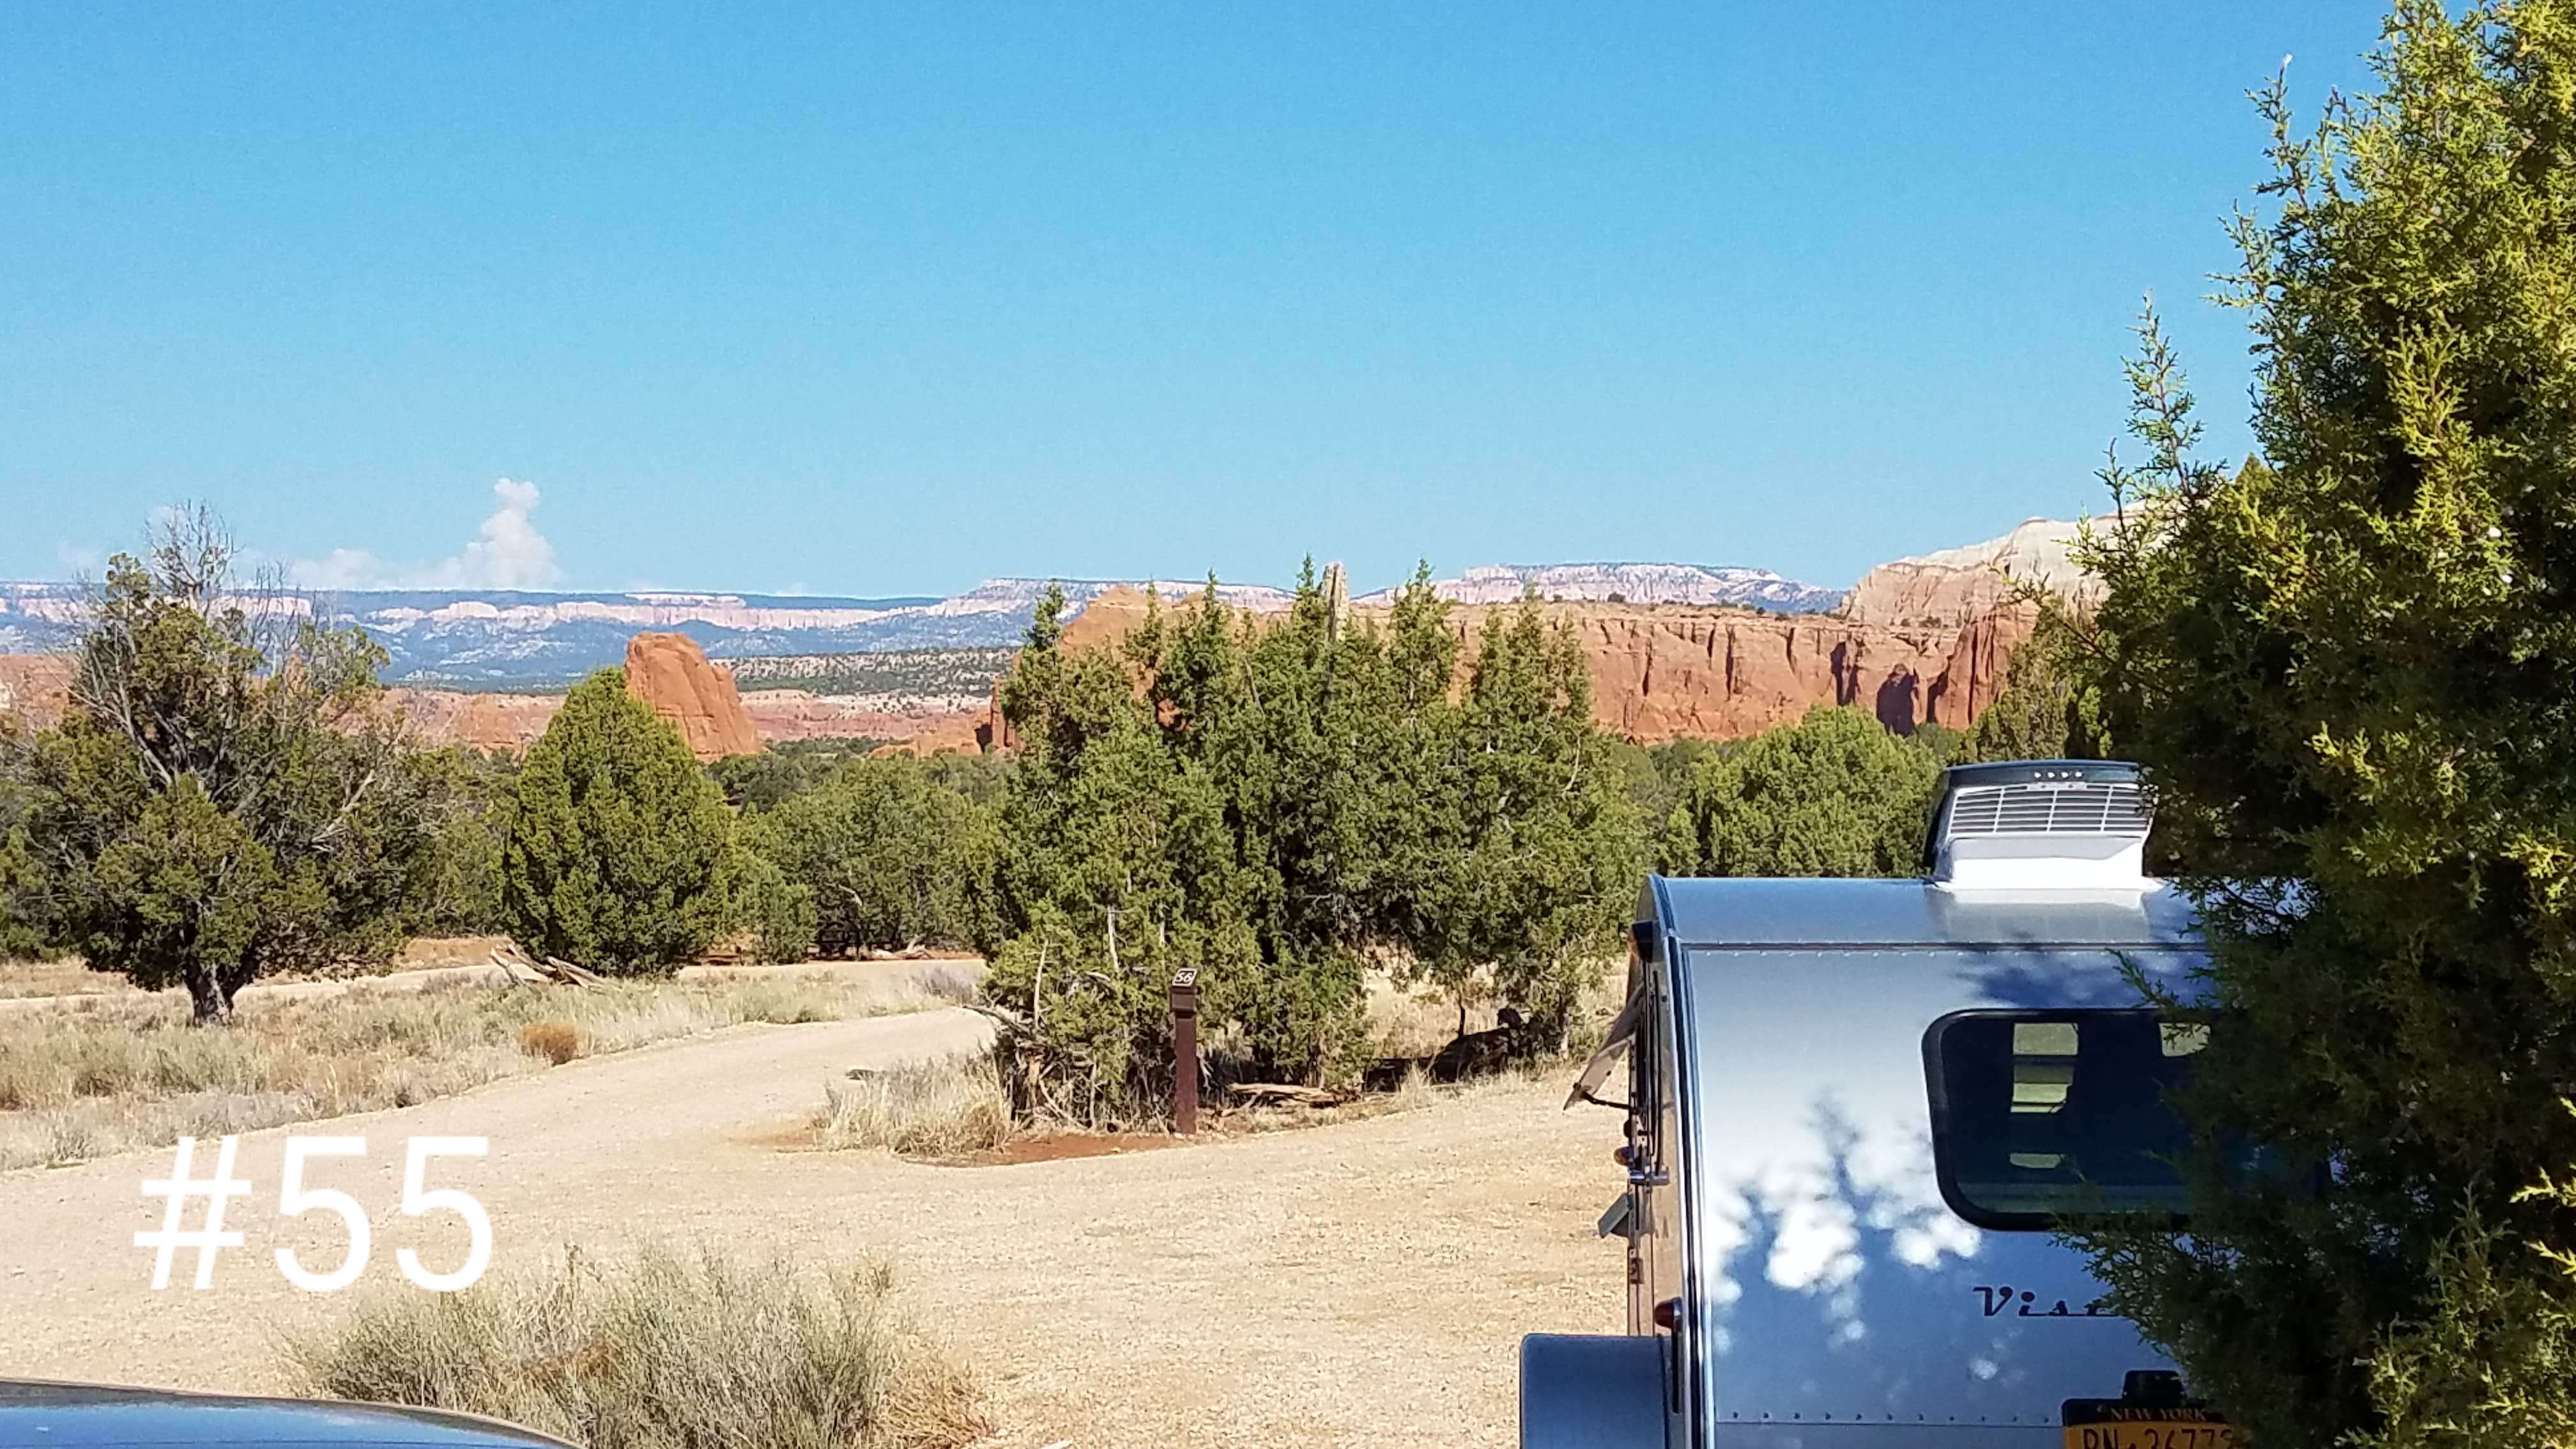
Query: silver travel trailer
1854	1110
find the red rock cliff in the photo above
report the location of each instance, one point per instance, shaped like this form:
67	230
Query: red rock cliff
1666	671
35	689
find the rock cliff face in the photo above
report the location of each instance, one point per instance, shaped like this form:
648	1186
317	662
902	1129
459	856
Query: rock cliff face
1663	672
34	689
507	722
668	672
1667	673
1955	586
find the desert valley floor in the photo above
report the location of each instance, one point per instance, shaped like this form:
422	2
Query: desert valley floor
1357	1284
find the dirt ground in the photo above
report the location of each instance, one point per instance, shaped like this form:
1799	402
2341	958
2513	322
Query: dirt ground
1362	1283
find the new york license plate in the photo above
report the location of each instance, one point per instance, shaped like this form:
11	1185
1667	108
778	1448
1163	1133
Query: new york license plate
2110	1425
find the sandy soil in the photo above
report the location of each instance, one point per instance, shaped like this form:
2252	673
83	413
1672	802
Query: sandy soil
1364	1283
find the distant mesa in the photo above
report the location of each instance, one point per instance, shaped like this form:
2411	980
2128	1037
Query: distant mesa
1675	649
1956	585
1923	640
1630	583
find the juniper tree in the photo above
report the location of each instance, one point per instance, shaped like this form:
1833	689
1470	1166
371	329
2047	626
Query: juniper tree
1282	804
1835	794
889	857
618	849
1547	854
228	795
2350	663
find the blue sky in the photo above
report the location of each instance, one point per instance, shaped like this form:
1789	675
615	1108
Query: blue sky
869	299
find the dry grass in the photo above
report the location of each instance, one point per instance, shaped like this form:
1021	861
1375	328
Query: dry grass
667	1350
63	976
946	1108
955	982
556	1041
93	1075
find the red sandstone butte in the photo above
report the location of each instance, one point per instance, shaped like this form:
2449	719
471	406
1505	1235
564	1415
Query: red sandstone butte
670	673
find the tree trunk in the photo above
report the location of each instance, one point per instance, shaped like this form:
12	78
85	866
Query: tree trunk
209	1003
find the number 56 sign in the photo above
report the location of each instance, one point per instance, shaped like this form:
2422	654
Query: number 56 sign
296	1199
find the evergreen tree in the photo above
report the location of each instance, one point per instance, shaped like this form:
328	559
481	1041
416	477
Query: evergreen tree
1547	850
227	796
1280	804
887	857
464	898
2348	663
2047	710
1836	794
619	852
24	935
1116	870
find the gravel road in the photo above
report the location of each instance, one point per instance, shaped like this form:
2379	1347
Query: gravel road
1364	1283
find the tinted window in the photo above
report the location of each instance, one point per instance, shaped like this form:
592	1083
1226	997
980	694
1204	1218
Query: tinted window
2038	1115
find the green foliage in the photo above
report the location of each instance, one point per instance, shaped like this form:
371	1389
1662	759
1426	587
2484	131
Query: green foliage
1279	804
227	797
780	912
885	856
2349	663
1836	794
464	898
956	675
767	777
23	929
2048	710
619	852
1547	838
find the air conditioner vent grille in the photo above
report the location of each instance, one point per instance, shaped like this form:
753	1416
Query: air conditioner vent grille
2048	809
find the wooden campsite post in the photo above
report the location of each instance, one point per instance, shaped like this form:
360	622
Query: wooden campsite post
1185	1051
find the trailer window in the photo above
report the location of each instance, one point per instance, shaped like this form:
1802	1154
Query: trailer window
2042	1115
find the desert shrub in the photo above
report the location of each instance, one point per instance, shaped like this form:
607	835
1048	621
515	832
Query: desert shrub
619	851
884	857
556	1041
668	1349
944	1108
954	982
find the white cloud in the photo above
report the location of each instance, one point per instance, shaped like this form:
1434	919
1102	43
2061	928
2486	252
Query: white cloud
507	553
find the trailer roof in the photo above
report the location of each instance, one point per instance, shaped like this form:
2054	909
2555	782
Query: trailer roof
1753	914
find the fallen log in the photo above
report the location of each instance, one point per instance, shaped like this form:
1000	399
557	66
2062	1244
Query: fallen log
1278	1092
511	969
567	971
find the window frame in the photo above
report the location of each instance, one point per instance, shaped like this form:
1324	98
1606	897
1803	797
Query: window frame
1936	1093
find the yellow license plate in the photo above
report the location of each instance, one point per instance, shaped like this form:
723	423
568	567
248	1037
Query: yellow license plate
2155	1433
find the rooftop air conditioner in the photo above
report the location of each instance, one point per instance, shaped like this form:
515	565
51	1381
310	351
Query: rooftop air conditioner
2040	825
